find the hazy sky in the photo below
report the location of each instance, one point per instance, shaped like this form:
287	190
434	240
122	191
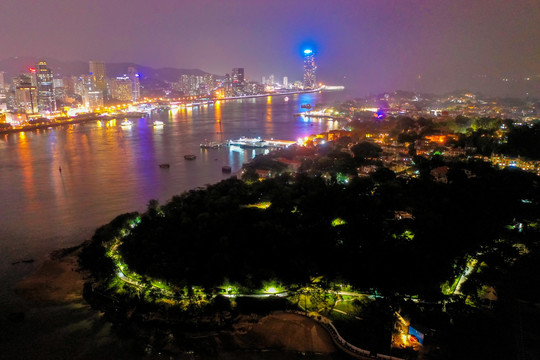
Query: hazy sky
371	44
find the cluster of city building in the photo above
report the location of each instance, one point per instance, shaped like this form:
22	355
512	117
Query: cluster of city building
236	83
42	93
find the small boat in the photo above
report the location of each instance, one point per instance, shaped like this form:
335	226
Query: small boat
306	106
126	123
164	166
226	169
158	123
190	157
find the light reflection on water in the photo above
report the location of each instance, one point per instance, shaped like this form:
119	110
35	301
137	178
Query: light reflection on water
107	169
58	185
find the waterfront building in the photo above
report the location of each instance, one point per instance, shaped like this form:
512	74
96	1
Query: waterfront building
135	84
79	84
238	75
59	89
253	88
237	81
121	88
210	82
310	81
99	76
194	85
25	99
93	99
285	82
45	89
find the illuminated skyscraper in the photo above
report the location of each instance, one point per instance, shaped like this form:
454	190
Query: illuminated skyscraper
25	94
45	89
121	88
99	77
238	75
310	81
238	81
135	85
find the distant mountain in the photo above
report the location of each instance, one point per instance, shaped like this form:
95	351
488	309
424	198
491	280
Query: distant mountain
17	65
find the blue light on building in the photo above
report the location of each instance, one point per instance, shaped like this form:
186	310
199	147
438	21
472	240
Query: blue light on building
309	70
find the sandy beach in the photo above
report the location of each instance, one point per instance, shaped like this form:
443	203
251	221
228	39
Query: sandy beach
58	280
285	331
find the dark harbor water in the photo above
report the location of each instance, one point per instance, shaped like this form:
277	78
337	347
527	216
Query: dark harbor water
107	170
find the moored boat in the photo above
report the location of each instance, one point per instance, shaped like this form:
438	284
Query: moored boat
226	169
126	123
251	143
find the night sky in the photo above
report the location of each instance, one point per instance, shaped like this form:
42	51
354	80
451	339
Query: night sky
367	45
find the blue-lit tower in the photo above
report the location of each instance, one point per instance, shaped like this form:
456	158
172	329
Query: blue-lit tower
310	81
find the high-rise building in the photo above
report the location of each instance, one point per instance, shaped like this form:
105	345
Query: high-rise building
25	95
91	97
193	85
237	81
59	90
80	83
45	89
2	83
310	81
238	75
285	82
99	77
210	82
135	84
121	88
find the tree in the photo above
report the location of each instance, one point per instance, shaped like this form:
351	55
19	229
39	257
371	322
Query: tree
365	150
382	175
250	175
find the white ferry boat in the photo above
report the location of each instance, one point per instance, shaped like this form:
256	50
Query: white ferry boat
126	123
249	143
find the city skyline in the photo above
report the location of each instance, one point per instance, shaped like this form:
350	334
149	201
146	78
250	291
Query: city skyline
368	46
